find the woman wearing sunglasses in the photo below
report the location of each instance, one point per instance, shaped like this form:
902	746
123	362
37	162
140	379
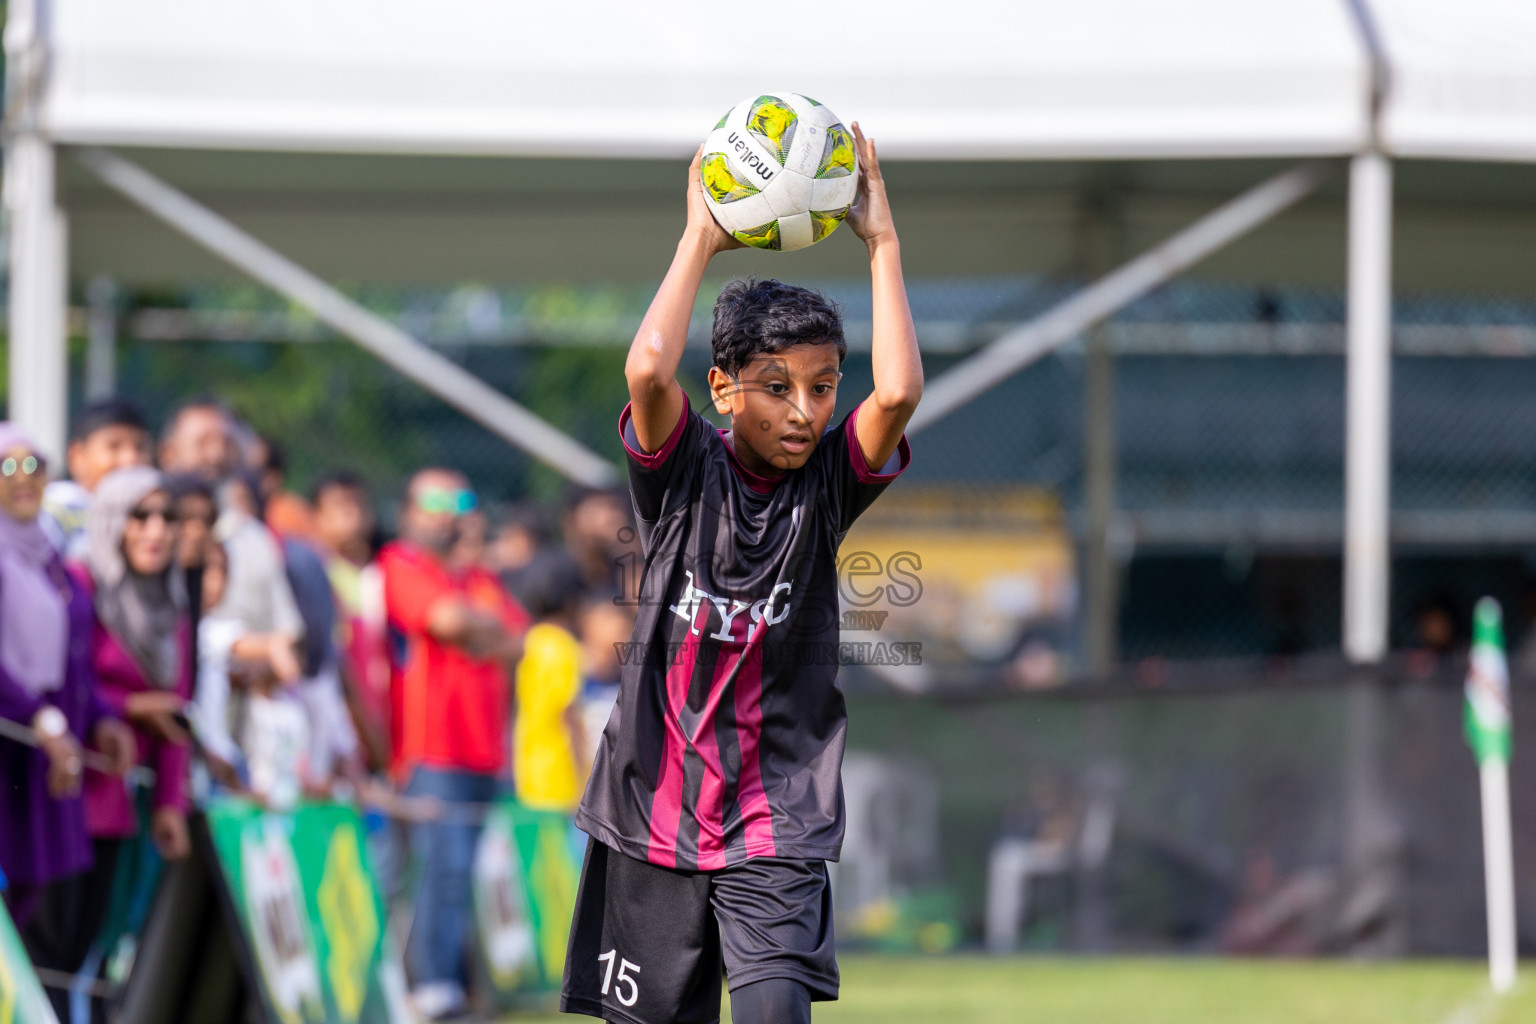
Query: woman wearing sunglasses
141	648
47	686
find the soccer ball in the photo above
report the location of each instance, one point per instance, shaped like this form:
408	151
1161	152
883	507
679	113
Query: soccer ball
779	171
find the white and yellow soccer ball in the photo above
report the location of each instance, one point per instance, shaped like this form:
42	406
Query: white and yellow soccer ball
780	171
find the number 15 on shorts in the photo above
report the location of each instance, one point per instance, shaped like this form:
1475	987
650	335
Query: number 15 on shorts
625	988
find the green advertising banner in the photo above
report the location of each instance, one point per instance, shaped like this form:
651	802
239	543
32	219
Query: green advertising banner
311	913
21	998
527	866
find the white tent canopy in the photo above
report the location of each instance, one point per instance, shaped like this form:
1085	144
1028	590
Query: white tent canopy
1461	78
1023	79
591	91
983	79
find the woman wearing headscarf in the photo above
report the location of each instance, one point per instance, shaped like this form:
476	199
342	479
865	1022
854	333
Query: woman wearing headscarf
141	650
47	687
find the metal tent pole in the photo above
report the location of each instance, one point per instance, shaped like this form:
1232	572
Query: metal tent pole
1100	244
437	374
1373	840
1114	291
1367	456
39	269
38	263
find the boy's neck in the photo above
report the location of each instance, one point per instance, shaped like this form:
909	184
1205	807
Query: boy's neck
748	458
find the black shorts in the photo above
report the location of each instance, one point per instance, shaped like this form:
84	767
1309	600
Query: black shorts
649	944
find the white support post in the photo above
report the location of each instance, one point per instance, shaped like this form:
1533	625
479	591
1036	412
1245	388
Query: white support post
1367	456
39	262
39	381
1499	871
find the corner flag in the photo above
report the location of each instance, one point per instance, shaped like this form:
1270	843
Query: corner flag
1488	730
1487	689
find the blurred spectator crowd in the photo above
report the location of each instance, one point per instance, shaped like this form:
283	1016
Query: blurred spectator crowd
177	624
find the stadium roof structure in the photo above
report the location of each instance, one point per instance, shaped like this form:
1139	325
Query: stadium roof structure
395	139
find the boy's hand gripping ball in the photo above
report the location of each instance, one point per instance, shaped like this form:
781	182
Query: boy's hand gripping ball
779	171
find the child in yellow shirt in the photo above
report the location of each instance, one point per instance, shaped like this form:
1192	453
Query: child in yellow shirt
547	736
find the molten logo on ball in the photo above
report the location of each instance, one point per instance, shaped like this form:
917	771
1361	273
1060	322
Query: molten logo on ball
779	171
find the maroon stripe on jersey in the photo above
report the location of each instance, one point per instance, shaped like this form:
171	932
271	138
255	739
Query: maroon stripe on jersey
667	803
710	809
756	816
653	459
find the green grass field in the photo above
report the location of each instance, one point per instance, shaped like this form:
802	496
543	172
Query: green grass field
975	990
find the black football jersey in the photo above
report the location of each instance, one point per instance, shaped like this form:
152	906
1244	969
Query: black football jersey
727	740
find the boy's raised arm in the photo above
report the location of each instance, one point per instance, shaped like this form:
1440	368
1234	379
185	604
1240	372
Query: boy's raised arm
656	401
897	365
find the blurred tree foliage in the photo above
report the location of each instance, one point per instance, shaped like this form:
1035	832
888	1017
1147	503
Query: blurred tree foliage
559	351
330	405
581	391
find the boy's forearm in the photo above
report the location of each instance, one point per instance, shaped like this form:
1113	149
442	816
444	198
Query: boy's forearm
658	346
894	356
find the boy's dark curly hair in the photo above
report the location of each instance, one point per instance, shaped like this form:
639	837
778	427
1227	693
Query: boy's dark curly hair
753	316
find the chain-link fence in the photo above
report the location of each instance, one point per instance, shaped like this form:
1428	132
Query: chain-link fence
1197	807
1244	819
1228	428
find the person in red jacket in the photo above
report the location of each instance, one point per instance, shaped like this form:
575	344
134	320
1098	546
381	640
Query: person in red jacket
455	634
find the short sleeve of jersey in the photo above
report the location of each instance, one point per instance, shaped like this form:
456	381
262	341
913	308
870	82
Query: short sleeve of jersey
653	475
852	486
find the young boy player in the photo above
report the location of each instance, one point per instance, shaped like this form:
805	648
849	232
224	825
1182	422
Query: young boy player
716	798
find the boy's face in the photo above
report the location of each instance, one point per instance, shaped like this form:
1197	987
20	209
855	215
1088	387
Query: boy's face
112	447
342	516
197	514
779	405
514	547
200	441
603	627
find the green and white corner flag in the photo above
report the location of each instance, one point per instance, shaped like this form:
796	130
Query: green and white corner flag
1488	731
1487	718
